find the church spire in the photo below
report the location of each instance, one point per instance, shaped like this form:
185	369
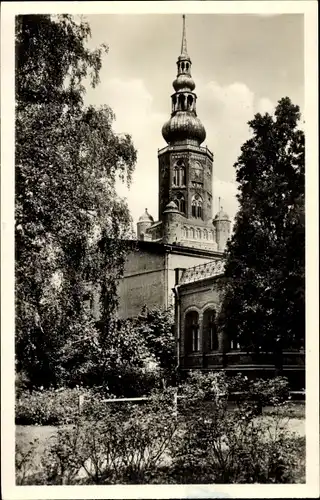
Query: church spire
183	126
184	51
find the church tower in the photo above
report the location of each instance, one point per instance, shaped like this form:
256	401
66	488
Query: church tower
184	235
185	170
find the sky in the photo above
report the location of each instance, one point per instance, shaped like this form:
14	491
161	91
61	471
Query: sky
241	63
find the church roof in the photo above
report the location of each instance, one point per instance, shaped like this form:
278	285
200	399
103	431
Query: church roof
204	271
162	248
221	215
171	207
184	125
146	217
184	51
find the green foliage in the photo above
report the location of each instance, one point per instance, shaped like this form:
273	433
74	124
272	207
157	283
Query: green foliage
69	221
130	359
50	406
233	447
203	391
156	326
126	446
125	366
155	444
221	445
271	391
24	461
264	304
21	383
204	386
139	353
41	68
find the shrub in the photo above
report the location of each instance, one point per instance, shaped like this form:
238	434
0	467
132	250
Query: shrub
127	446
204	442
261	392
22	382
50	406
234	447
131	382
24	460
204	386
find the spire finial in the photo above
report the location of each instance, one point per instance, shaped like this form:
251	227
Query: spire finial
184	51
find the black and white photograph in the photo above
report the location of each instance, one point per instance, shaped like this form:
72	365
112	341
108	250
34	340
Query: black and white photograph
161	202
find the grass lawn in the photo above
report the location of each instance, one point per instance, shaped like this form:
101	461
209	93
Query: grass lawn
293	410
25	434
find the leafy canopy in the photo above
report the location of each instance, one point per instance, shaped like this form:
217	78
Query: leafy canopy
69	221
264	275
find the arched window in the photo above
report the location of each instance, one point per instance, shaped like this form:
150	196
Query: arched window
182	172
182	205
198	234
181	101
174	102
196	206
210	336
187	66
182	66
189	101
179	174
184	232
175	176
192	341
205	234
180	202
199	210
192	233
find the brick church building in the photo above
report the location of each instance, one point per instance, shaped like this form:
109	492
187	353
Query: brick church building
177	259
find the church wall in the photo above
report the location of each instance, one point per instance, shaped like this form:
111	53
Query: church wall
149	278
198	296
143	260
144	283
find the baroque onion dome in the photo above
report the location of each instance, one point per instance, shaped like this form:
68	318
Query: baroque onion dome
184	126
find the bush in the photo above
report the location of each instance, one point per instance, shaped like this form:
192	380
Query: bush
24	461
234	447
50	406
260	392
204	386
127	446
132	382
22	382
224	446
204	442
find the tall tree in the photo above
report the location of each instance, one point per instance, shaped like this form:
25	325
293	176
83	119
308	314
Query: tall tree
264	304
69	221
